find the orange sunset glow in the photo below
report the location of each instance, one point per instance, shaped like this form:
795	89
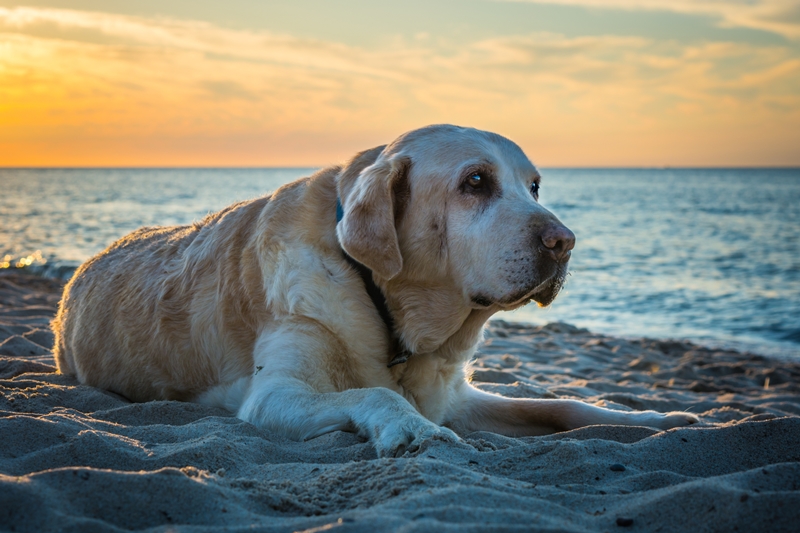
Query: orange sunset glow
575	83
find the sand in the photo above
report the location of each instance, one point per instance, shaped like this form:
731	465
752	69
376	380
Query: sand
74	458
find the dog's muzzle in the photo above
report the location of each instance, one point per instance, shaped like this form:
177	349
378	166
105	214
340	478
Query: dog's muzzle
555	246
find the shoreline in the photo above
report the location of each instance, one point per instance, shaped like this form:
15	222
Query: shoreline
774	349
106	464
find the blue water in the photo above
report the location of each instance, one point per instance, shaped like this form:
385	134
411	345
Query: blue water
706	255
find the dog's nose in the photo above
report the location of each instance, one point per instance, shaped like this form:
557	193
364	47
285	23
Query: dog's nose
558	240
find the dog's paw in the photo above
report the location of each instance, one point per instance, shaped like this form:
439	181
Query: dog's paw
671	420
407	434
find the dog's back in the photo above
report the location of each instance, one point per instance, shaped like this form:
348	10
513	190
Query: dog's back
166	285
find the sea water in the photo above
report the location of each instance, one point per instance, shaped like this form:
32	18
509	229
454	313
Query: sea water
709	255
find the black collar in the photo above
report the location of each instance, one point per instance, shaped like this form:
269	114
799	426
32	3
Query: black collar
397	352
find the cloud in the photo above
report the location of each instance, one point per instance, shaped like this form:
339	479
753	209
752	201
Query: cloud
227	89
776	16
183	35
95	88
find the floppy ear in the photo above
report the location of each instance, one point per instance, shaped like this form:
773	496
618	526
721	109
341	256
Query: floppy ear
372	200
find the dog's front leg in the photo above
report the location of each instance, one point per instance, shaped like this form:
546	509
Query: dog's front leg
293	394
477	410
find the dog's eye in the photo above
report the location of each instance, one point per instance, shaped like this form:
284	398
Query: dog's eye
476	181
535	188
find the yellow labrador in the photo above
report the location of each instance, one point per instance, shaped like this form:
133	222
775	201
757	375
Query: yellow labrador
349	300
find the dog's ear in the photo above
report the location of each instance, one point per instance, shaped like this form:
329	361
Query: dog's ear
373	197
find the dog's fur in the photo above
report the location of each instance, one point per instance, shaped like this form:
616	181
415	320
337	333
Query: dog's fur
256	309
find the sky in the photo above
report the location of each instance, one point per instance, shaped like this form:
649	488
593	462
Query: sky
576	83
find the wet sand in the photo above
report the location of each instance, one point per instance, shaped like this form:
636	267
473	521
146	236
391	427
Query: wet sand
74	458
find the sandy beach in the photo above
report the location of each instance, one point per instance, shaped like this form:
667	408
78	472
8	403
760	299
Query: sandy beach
74	458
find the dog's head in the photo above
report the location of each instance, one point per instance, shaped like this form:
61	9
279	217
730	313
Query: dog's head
455	205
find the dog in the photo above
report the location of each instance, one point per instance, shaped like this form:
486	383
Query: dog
349	300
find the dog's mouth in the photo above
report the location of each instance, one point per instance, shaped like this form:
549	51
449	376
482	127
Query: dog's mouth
547	292
543	293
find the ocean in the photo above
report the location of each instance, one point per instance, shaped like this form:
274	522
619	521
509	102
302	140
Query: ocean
707	255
